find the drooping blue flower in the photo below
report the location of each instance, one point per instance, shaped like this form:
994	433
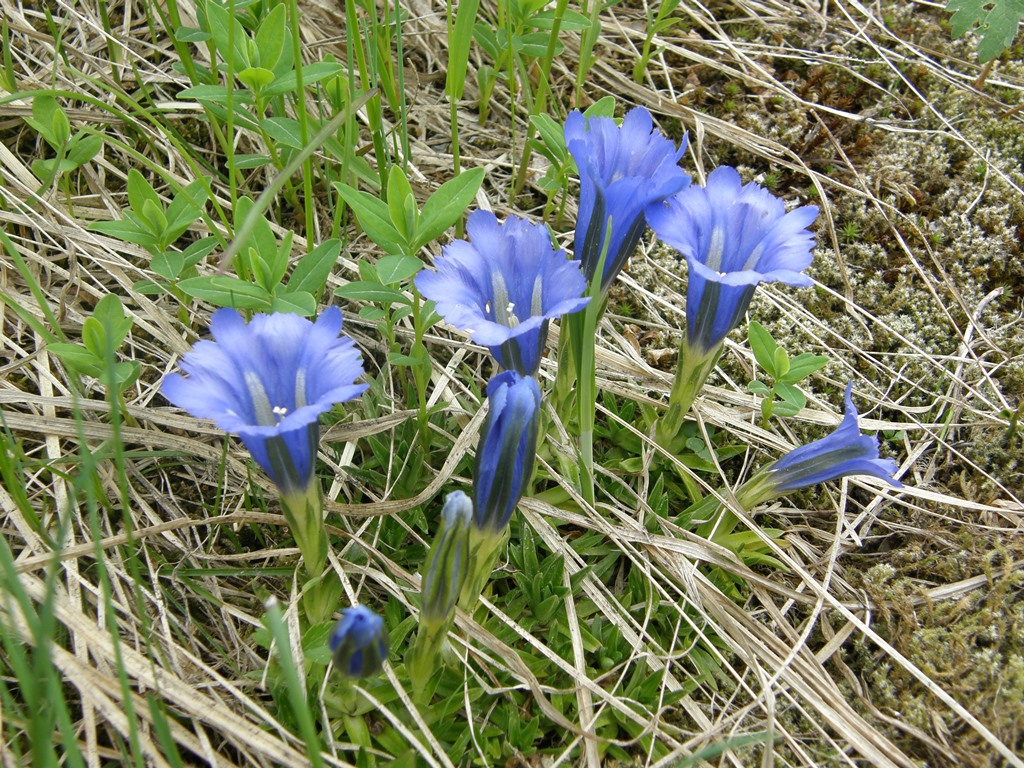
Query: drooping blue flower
844	452
622	171
734	236
446	565
268	381
359	642
506	451
503	286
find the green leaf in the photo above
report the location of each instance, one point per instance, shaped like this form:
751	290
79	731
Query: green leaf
402	209
552	134
571	20
140	191
168	264
110	313
381	294
186	207
458	47
791	395
84	147
447	205
125	374
311	73
802	366
153	215
781	363
247	162
127	231
77	358
226	291
284	130
763	346
256	78
310	274
216	94
296	302
603	107
759	388
373	216
191	35
392	270
270	38
782	408
997	22
219	20
397	358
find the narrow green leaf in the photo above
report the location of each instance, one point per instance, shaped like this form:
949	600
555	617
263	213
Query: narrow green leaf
311	73
781	363
402	215
447	205
373	216
77	358
763	346
226	291
375	292
791	395
310	274
270	38
140	191
458	47
802	366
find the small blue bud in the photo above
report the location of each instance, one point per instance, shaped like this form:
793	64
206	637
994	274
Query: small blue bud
359	642
446	565
507	449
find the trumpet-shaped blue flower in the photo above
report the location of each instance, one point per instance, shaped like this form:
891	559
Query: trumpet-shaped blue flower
507	449
503	286
446	564
734	236
268	381
359	642
622	170
844	452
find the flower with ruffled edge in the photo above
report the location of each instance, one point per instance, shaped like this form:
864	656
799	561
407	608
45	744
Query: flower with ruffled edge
507	449
622	171
268	381
734	236
359	642
503	286
844	452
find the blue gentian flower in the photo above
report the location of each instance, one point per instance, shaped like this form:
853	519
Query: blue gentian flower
507	449
268	381
503	286
359	642
622	171
445	569
734	237
844	452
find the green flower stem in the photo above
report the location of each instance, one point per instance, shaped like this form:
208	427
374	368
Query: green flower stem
304	512
483	555
423	659
305	516
692	371
757	490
